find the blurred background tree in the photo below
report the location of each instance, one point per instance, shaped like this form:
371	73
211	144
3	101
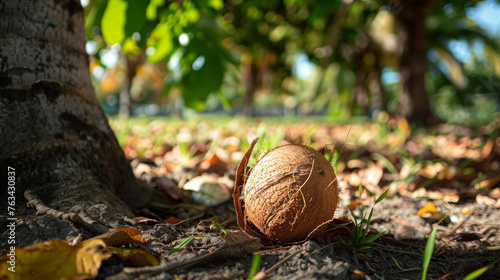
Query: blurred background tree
421	60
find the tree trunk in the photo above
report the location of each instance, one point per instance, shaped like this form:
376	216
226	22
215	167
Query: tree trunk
377	92
131	64
411	17
53	131
251	78
126	104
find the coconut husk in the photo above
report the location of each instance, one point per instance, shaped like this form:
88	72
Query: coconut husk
290	195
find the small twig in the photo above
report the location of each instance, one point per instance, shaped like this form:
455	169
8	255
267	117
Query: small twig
406	270
452	231
227	277
147	269
369	267
404	243
279	248
485	230
355	258
77	240
400	221
439	252
407	252
317	250
228	222
444	277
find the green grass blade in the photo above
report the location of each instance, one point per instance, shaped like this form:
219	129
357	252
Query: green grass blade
372	237
254	268
342	226
429	249
382	196
367	221
397	264
386	162
220	227
181	245
476	273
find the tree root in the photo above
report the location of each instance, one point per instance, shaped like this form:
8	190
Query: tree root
96	219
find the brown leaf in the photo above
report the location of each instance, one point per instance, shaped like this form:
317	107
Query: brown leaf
134	257
488	181
237	244
56	259
173	220
122	236
144	220
481	199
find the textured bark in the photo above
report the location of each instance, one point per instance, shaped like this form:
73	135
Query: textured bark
53	131
412	63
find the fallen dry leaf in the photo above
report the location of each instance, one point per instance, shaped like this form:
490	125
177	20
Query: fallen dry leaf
207	190
481	199
427	210
122	236
144	220
56	259
134	257
173	220
488	181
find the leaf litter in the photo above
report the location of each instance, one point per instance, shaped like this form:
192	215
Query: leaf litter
192	230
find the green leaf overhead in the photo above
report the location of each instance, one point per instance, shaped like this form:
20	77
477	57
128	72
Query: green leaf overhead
199	83
162	42
152	9
113	21
121	19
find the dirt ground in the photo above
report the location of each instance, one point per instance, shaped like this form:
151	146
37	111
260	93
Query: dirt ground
460	249
461	246
466	189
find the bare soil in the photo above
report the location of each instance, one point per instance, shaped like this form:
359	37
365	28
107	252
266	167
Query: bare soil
459	249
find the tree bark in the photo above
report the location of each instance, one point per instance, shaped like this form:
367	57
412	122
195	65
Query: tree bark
252	82
411	15
131	64
126	104
53	131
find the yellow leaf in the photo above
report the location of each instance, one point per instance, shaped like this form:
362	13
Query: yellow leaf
455	71
428	210
494	58
56	259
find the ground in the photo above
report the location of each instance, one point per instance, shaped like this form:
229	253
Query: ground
456	253
428	174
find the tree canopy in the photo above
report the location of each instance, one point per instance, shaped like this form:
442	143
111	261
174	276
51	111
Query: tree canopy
342	58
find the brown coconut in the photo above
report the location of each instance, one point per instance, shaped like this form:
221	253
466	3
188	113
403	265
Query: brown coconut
290	194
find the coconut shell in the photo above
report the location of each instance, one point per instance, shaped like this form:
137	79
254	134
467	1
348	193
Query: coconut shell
290	195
